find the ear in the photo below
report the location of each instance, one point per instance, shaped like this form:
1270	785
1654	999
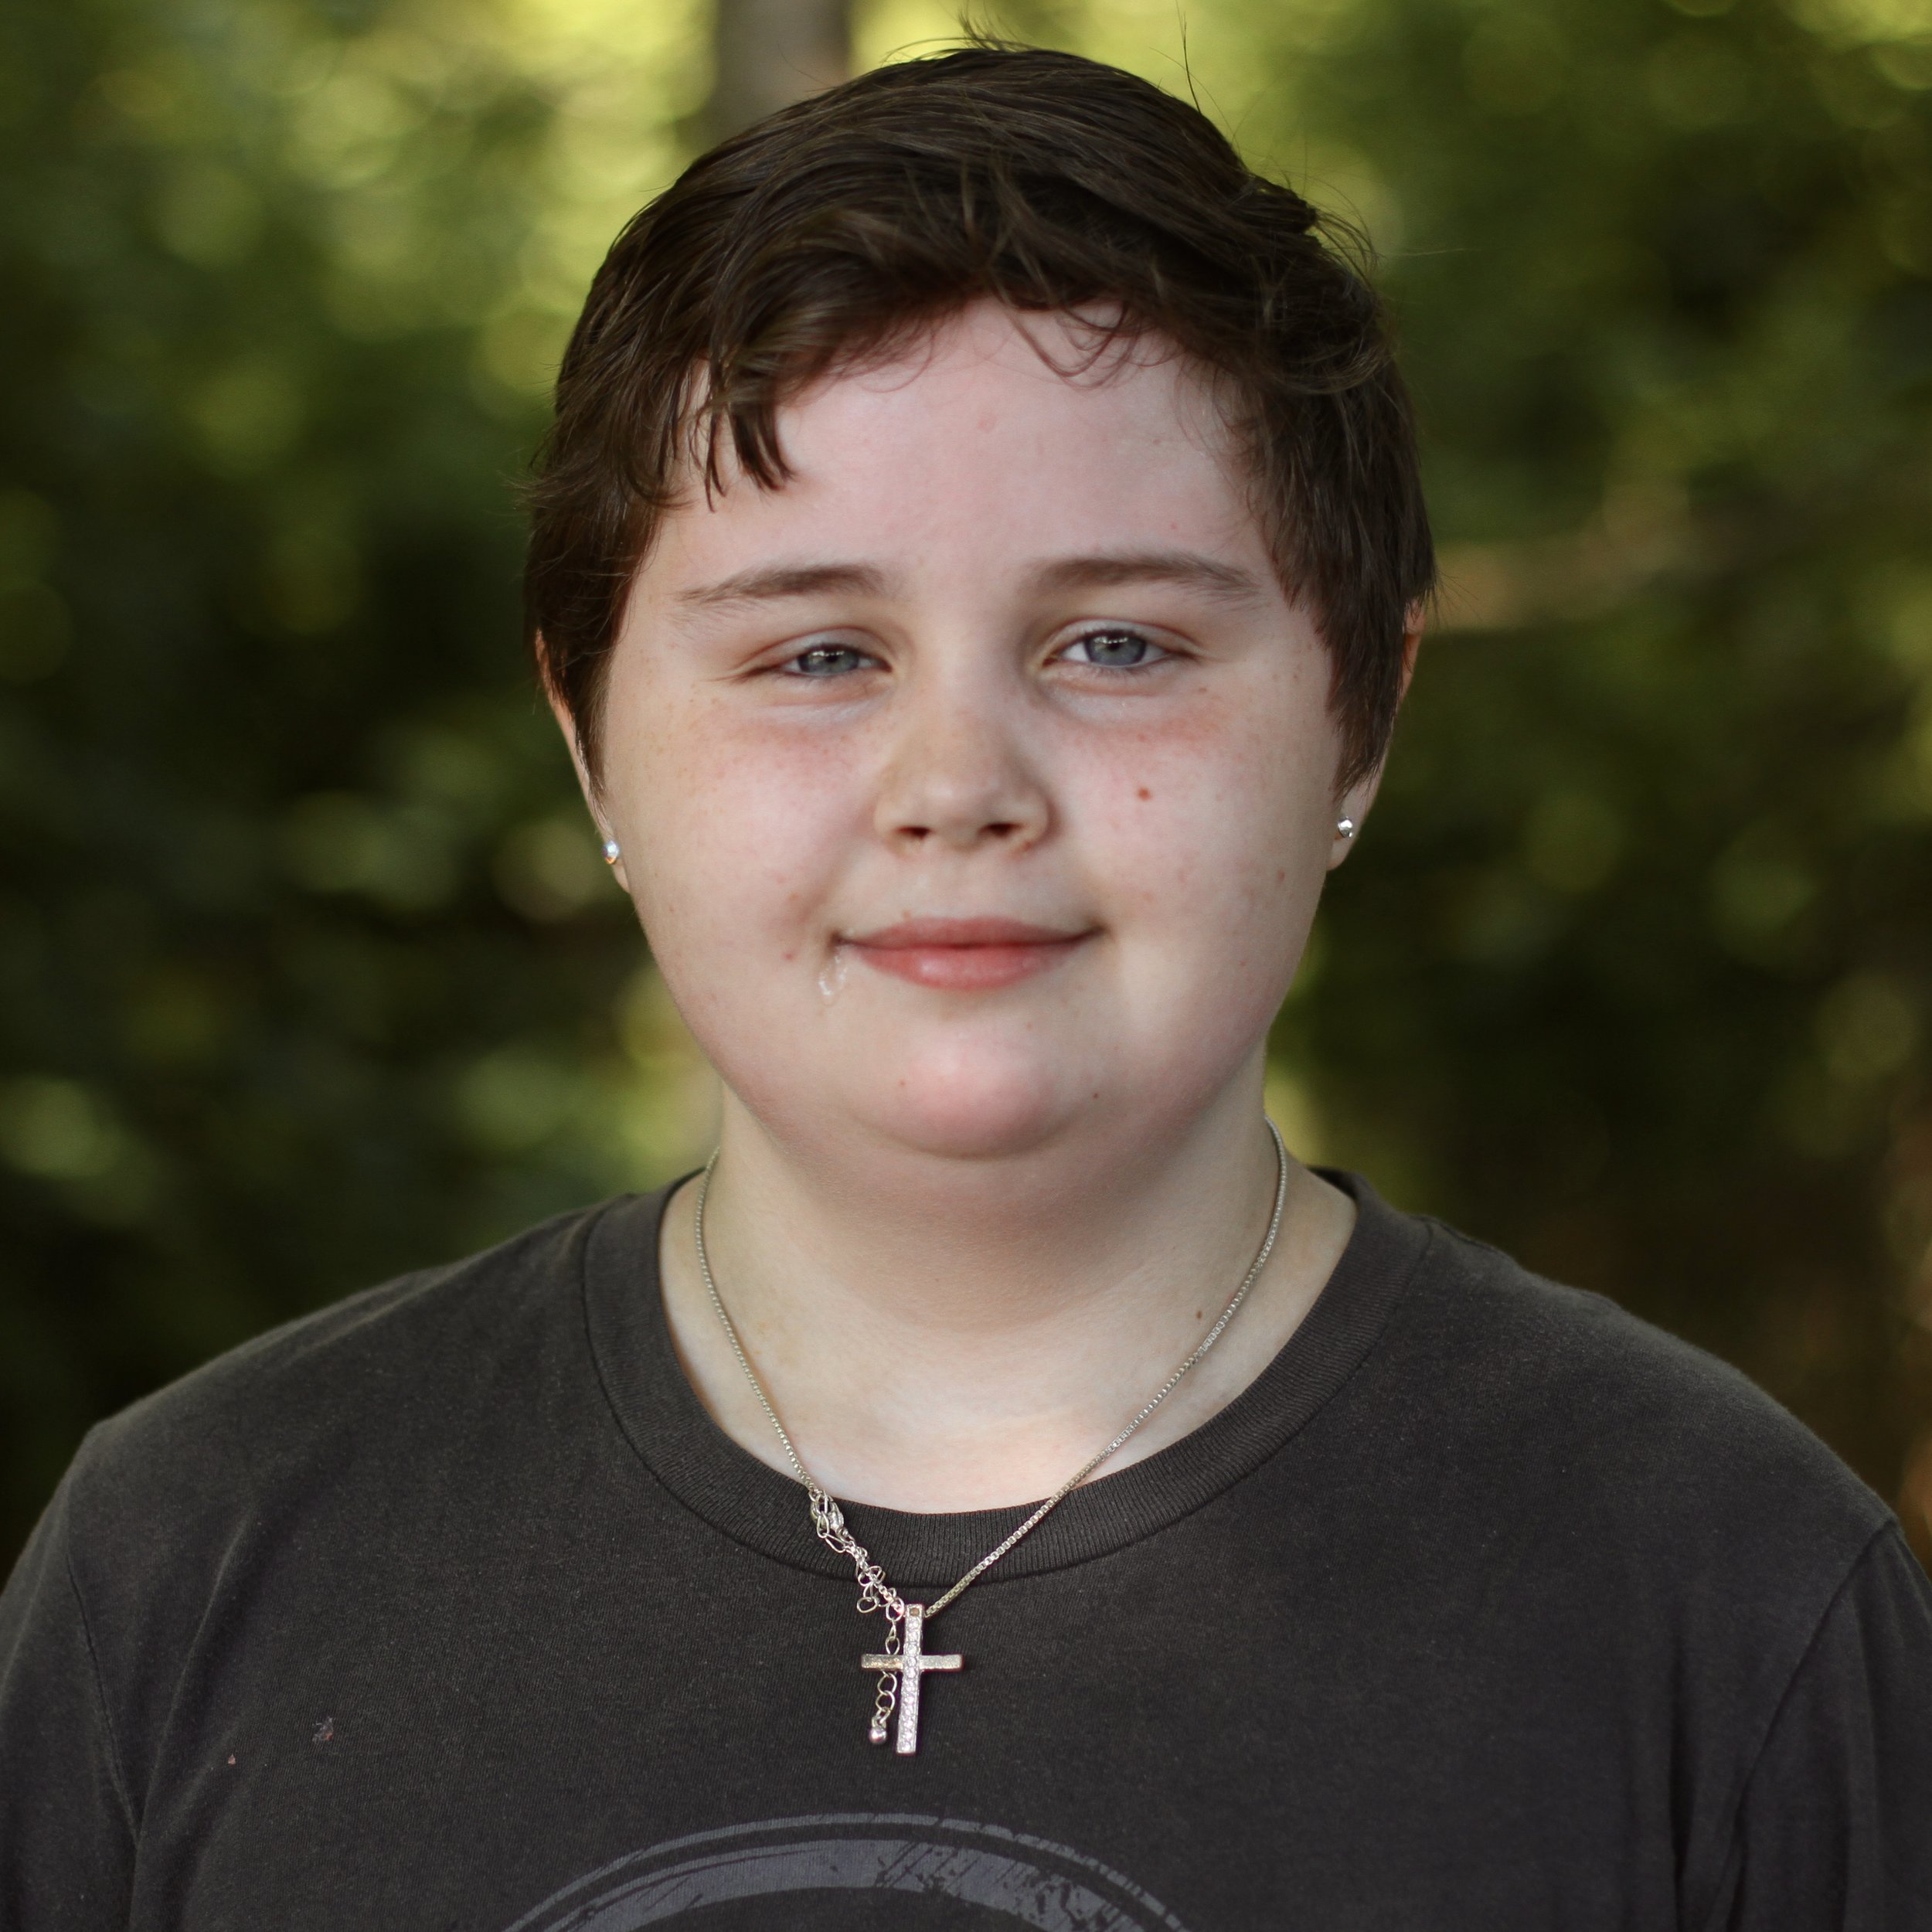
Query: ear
1352	806
587	784
1414	625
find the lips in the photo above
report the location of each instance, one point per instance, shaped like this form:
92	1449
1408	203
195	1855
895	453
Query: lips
966	955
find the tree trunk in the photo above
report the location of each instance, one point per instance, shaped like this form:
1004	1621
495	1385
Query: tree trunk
768	53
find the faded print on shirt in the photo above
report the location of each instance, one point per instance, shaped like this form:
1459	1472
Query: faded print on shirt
850	1869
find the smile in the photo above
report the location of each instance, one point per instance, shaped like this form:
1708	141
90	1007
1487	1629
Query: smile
966	955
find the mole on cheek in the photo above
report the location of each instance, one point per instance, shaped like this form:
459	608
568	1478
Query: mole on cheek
1143	793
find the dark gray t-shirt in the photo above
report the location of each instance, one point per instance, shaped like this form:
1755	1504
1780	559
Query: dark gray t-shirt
1486	1606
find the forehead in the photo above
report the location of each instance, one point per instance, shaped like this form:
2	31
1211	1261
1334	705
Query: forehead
991	439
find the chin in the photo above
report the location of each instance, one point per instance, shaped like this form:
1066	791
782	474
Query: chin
978	1106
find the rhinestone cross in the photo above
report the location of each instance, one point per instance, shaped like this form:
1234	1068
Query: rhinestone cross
912	1663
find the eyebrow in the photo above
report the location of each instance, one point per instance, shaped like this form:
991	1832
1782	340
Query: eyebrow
786	580
1188	569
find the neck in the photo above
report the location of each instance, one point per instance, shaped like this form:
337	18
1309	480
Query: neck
943	1335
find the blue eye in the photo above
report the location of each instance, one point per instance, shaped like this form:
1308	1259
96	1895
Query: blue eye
1115	648
824	661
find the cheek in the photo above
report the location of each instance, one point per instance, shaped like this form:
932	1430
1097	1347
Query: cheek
739	831
1218	820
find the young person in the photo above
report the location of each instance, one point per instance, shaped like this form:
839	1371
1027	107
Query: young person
976	563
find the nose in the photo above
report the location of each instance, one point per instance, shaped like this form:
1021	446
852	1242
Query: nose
958	777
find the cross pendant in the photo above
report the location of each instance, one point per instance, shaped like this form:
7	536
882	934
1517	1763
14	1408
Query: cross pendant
912	1663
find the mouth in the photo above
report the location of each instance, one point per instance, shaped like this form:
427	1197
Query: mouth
966	955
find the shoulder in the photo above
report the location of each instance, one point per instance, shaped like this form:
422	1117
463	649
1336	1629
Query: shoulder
375	1375
245	1505
1627	1427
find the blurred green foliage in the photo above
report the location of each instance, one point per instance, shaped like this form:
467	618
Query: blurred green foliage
310	972
1632	974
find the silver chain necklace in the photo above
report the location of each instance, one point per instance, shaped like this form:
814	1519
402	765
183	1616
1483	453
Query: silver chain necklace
904	1659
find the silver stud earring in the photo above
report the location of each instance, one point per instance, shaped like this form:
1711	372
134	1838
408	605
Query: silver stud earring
1345	827
612	852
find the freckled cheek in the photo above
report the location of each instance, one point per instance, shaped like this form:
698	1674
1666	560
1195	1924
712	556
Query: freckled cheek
1198	817
750	836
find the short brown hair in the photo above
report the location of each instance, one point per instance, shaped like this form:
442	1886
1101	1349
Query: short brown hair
839	227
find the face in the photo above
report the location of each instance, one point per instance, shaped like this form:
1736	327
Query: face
976	787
